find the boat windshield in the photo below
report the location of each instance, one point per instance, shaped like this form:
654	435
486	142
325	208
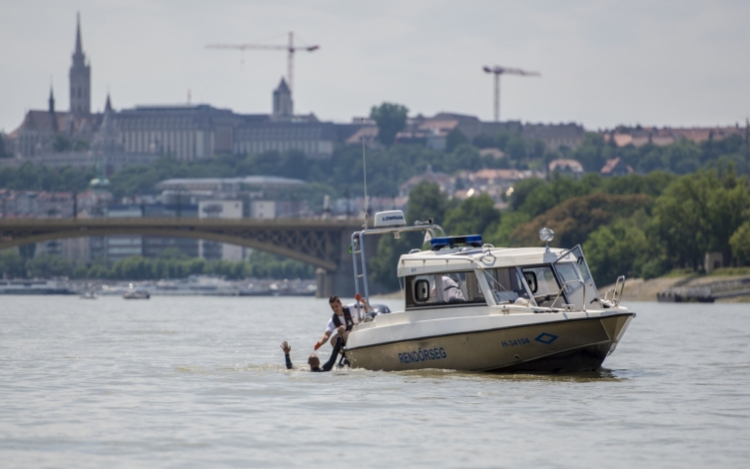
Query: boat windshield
454	288
574	273
543	285
506	285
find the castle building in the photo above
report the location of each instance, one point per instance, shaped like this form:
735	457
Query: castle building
40	129
140	135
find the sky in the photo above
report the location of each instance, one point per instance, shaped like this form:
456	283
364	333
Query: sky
603	63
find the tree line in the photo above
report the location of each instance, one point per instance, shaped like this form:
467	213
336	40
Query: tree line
636	225
170	263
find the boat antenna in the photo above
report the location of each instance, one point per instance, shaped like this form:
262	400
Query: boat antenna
364	169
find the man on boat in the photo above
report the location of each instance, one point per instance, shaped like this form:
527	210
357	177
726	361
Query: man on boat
342	316
313	359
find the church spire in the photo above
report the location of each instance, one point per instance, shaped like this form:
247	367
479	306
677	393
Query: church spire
108	104
79	45
80	77
51	100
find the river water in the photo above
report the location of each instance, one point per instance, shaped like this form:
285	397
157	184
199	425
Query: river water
200	382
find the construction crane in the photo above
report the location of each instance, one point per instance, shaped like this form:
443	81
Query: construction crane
291	49
497	70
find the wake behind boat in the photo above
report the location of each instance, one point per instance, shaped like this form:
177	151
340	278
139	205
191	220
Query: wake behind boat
471	306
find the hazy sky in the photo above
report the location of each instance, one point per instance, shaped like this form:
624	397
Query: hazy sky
603	63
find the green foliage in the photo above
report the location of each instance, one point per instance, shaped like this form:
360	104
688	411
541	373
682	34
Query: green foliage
465	157
455	138
425	201
267	265
592	153
12	265
740	243
699	213
474	215
501	235
560	189
43	178
3	151
391	119
680	219
382	267
27	251
47	265
521	190
622	248
573	220
171	263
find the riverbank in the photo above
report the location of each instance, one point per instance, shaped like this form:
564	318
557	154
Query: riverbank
637	289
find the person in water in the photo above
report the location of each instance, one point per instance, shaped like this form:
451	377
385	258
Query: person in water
313	359
342	316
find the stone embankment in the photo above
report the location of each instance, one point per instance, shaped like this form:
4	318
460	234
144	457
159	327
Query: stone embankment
687	289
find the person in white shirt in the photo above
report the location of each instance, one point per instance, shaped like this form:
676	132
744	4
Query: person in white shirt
342	316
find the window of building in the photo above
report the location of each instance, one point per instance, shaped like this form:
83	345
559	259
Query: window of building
453	288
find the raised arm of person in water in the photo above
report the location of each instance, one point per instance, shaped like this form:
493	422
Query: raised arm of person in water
287	348
313	360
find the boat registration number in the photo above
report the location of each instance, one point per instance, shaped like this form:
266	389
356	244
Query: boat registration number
515	342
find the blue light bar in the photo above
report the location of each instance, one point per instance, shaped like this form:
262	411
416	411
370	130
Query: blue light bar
453	241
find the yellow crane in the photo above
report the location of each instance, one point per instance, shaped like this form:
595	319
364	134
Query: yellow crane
290	48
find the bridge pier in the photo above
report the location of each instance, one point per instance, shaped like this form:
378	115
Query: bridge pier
341	281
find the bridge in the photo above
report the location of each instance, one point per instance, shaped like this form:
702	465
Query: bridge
321	243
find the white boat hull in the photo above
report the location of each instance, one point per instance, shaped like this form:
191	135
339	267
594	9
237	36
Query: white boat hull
548	342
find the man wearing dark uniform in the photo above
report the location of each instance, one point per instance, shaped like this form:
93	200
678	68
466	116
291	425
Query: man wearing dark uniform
346	316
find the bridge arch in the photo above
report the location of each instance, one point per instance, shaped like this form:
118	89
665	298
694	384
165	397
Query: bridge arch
321	243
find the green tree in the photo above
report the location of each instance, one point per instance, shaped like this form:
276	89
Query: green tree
3	150
295	165
47	265
740	243
391	119
592	153
27	251
501	235
516	147
622	248
12	265
521	191
475	215
700	212
575	218
455	138
425	201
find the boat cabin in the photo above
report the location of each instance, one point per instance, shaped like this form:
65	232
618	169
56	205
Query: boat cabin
461	271
456	272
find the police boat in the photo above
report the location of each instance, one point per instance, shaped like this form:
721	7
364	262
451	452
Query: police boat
475	307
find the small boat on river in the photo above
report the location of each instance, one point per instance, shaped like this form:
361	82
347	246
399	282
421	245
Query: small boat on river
136	293
471	306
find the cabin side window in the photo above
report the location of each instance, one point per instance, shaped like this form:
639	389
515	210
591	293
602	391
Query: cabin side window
506	285
454	288
543	285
